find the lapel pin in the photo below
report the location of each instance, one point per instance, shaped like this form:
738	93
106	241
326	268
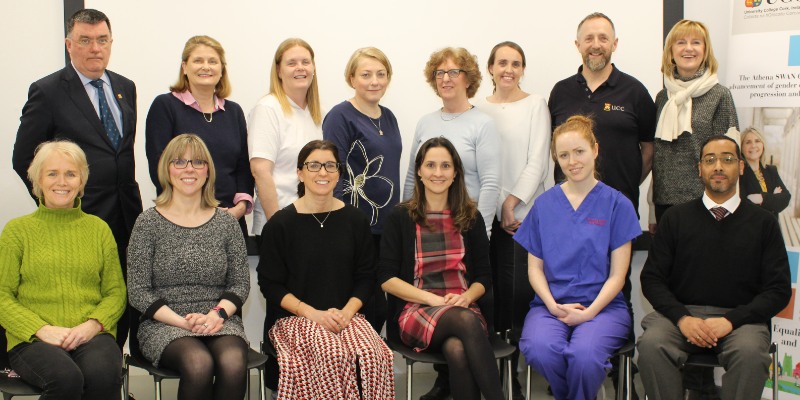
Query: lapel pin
119	96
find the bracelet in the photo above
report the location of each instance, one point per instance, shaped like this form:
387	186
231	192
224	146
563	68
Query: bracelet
297	309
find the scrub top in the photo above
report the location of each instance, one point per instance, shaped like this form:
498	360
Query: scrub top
576	245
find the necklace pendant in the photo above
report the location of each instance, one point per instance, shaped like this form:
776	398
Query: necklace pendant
321	225
380	131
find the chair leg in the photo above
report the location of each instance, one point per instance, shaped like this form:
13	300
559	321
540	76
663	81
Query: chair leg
409	371
775	386
247	393
157	383
509	377
528	383
262	391
629	376
125	378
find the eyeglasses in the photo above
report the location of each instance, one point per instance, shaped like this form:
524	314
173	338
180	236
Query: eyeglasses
86	42
196	164
452	73
727	159
316	166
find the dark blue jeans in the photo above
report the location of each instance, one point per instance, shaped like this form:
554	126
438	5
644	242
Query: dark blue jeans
91	372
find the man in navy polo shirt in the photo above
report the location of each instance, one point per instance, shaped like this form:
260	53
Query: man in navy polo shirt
621	107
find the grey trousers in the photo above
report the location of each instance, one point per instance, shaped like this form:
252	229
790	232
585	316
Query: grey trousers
663	350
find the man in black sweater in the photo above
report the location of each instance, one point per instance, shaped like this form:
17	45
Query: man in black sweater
716	274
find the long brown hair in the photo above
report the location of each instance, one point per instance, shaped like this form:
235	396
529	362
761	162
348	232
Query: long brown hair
463	210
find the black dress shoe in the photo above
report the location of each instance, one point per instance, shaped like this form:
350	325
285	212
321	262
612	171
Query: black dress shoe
516	391
437	392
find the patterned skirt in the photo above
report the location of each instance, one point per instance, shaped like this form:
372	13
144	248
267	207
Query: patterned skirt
316	363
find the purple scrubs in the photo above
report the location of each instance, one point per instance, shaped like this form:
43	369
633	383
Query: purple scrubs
576	247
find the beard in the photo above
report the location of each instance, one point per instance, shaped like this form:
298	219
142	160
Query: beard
596	65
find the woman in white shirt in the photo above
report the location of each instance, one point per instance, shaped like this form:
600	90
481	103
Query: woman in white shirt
280	124
523	126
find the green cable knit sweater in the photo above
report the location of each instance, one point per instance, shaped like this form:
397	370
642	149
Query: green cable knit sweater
58	267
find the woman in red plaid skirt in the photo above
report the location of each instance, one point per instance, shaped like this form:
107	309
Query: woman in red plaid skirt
435	256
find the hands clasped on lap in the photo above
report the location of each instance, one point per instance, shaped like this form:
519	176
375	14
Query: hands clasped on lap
572	314
69	338
704	332
332	319
204	324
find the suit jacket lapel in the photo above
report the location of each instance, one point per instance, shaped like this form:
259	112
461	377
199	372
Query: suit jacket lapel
77	93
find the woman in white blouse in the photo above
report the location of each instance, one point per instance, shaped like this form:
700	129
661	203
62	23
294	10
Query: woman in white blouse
523	125
280	124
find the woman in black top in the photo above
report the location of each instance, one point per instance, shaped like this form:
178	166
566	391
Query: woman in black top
317	269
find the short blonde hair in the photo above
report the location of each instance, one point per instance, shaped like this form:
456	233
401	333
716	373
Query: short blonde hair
223	88
175	149
682	29
276	86
465	61
65	148
753	131
366	52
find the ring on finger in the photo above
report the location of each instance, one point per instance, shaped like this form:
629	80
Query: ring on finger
205	325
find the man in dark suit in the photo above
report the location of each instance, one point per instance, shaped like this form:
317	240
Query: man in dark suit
96	109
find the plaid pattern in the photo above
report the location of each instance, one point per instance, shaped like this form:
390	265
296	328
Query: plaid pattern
439	269
316	363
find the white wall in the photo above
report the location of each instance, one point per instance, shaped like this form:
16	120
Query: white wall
34	42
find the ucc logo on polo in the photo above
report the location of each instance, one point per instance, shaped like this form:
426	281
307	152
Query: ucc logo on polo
611	107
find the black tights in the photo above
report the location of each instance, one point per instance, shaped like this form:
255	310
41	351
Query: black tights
211	367
459	335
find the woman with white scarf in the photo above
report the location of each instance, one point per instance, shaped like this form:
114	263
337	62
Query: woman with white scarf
692	107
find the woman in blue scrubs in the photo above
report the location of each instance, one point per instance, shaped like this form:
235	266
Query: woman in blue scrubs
578	236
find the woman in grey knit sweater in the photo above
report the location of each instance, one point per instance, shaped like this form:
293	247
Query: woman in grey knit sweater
188	275
692	107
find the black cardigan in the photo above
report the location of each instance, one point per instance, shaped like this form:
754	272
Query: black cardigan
773	202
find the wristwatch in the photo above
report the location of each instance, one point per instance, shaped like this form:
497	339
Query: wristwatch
222	313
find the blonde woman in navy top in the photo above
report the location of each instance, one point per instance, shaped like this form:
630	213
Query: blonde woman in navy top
368	138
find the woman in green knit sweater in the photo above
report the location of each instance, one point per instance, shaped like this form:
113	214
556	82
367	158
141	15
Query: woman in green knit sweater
61	286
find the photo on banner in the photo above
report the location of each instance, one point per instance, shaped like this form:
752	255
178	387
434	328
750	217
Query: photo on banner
763	75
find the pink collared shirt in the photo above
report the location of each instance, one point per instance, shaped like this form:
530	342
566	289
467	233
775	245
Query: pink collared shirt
219	104
187	98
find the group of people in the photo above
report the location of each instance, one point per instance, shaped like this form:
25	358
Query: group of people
476	222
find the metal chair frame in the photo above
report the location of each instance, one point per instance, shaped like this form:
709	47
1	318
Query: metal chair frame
501	349
625	378
255	360
11	387
710	360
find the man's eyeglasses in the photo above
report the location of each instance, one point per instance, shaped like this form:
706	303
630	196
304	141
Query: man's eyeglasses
452	73
86	42
315	166
726	159
196	164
